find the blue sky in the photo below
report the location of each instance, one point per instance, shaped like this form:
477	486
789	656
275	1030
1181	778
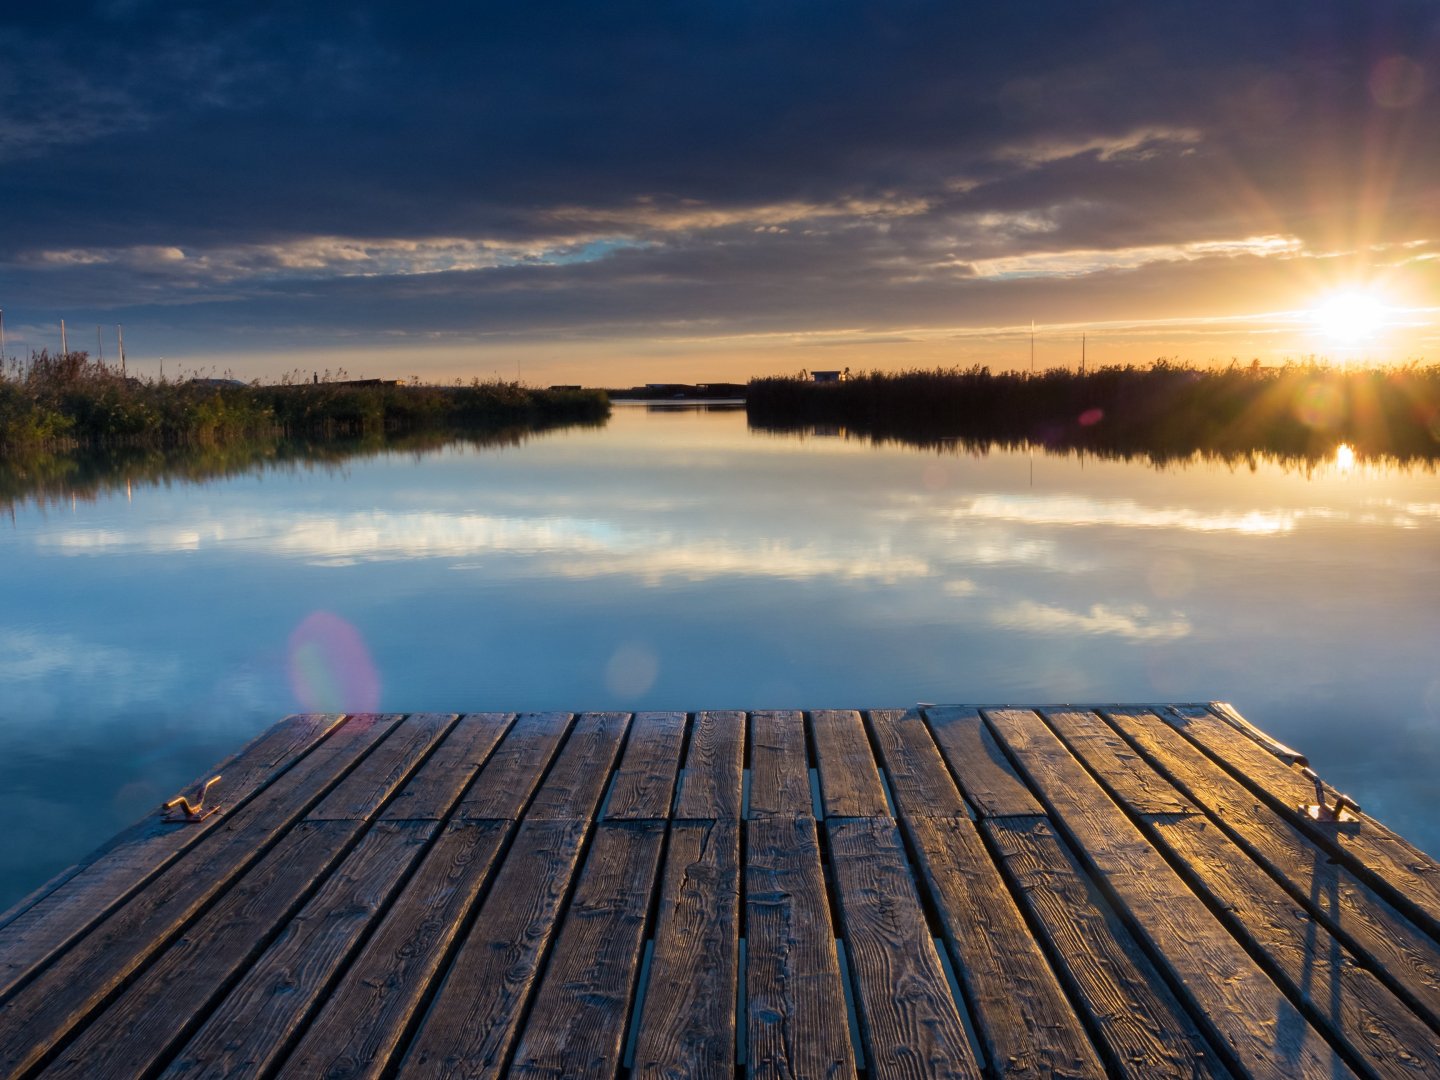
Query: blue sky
625	191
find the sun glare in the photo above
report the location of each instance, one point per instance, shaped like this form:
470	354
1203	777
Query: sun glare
1348	318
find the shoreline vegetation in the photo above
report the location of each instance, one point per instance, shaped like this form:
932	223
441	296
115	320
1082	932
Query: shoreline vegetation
59	402
1166	413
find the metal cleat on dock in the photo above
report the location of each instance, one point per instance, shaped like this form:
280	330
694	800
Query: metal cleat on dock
189	806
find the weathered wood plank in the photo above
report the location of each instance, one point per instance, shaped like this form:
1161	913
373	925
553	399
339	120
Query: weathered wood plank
80	978
849	781
909	1020
644	784
919	781
1144	1031
380	775
714	768
796	1016
1377	1030
1127	775
471	1026
577	1024
1371	1025
688	1026
987	779
1241	1006
264	1011
582	771
779	766
1400	953
1026	1025
510	778
362	1021
49	919
1402	873
137	1030
431	793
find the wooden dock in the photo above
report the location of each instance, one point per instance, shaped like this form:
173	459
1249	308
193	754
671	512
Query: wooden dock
943	891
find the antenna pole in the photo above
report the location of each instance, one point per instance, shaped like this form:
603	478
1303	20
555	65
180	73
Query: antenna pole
120	333
1082	354
64	344
99	346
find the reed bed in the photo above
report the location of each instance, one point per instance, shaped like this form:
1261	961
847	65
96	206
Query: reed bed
68	400
1165	411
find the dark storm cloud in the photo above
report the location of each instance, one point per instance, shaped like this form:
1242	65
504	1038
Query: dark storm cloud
522	167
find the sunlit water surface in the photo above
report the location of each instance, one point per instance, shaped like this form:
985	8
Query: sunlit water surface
677	560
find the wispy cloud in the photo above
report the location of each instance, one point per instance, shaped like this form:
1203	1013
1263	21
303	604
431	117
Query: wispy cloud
1134	623
568	547
1081	261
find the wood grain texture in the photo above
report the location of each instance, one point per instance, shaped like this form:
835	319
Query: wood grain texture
714	768
362	1022
471	1026
849	780
919	781
1371	1025
81	977
644	784
431	793
582	770
136	1033
688	1025
577	1024
509	778
1025	1023
909	1020
987	779
46	921
779	767
130	1038
1400	953
796	1016
1241	1006
1359	1013
1127	775
359	795
1406	876
1144	1031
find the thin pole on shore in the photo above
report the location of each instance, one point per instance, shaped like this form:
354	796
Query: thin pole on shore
64	344
1032	346
99	346
2	337
120	334
1082	354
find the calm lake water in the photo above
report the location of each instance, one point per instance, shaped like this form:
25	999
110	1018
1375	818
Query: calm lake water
675	559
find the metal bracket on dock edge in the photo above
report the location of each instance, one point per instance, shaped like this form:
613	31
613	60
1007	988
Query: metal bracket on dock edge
1343	811
1337	813
189	806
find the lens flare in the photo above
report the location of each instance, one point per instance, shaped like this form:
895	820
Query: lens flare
330	667
1320	406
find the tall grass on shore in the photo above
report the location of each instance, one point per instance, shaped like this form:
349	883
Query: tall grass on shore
1164	412
68	400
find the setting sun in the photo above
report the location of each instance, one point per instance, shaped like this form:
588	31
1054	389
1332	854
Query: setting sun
1349	317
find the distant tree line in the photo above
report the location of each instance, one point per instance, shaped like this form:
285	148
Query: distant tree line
1164	411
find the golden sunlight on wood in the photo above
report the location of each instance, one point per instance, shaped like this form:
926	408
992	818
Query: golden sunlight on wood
1350	317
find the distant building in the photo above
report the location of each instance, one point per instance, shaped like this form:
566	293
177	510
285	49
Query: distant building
825	376
565	386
